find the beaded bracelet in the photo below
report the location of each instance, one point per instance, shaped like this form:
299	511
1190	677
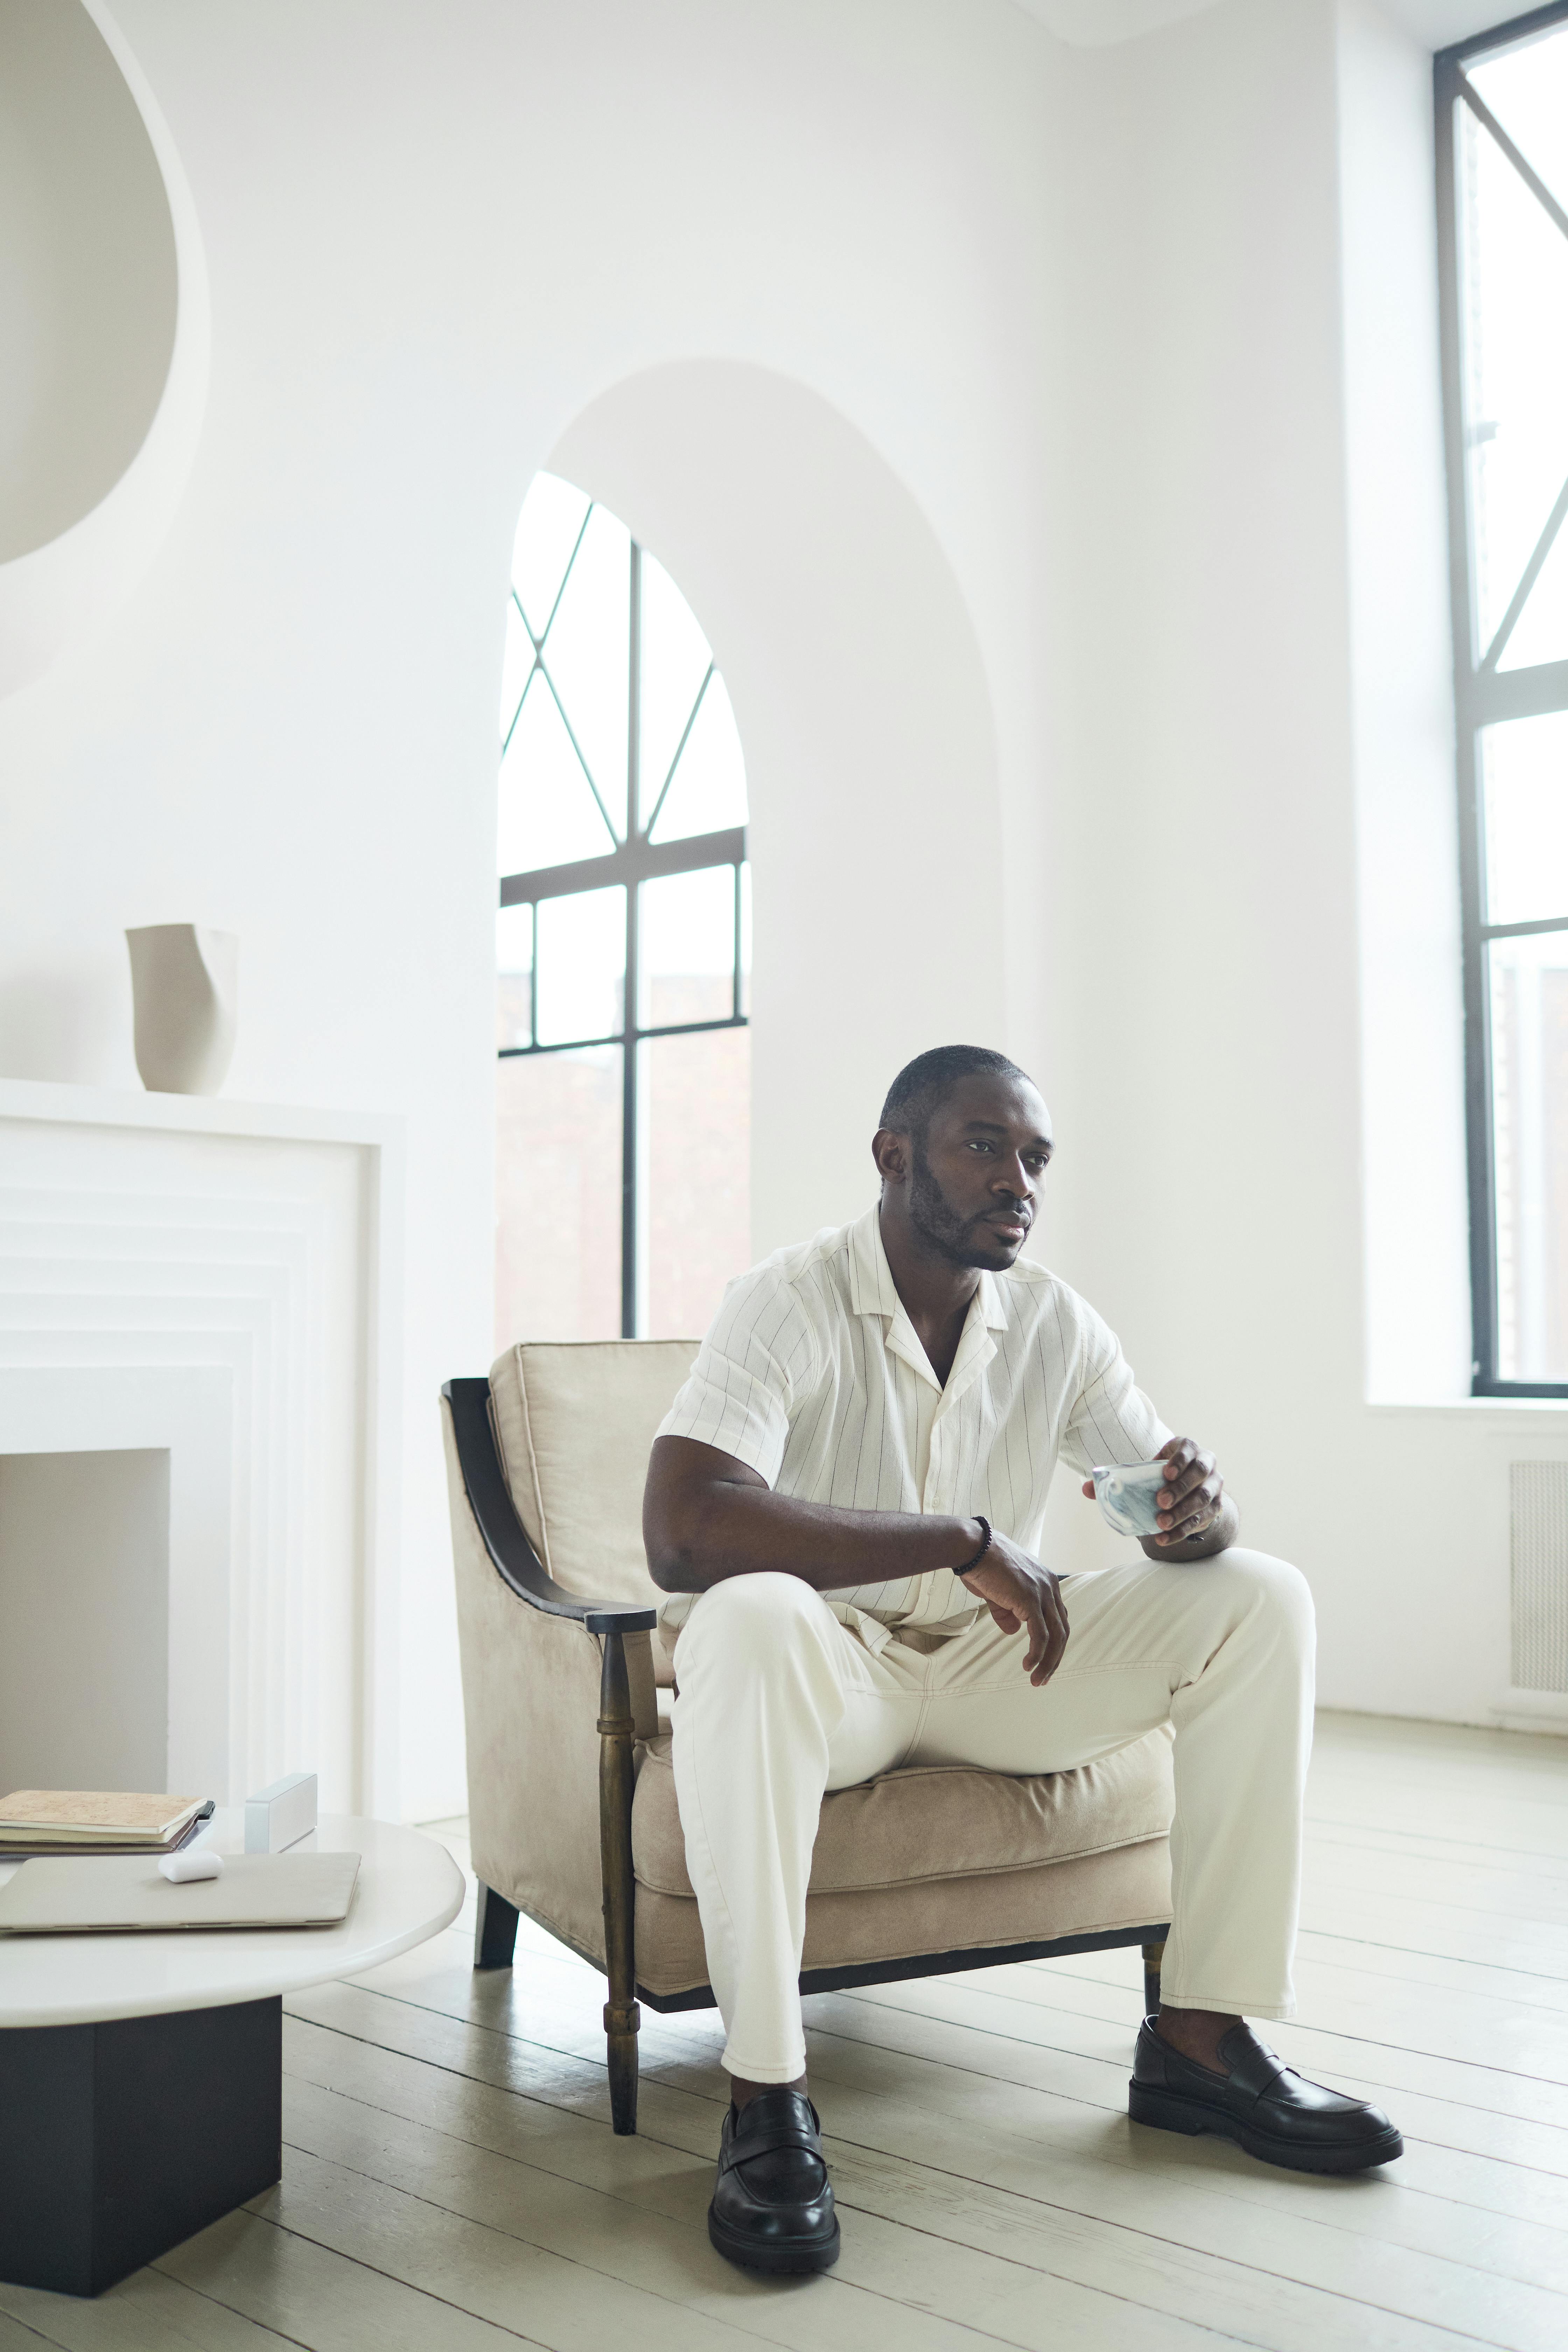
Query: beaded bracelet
985	1546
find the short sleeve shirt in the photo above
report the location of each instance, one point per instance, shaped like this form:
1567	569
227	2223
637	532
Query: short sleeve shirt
814	1377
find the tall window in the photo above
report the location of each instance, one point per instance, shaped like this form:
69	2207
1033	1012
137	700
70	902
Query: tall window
1502	157
623	945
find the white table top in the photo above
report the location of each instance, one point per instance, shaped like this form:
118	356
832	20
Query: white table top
409	1888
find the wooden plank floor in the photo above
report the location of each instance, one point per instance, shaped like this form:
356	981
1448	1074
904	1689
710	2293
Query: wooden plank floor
451	2180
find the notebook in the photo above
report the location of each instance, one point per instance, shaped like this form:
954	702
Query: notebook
101	1818
121	1895
18	1850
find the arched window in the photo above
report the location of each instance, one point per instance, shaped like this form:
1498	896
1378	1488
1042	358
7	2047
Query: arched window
623	945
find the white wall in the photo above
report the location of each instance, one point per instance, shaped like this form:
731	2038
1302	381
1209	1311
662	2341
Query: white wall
1412	1109
1203	1023
1059	333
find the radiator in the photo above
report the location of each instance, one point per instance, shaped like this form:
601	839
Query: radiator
1538	1512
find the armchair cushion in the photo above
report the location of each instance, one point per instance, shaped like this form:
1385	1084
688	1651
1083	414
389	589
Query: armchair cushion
574	1422
930	1821
935	1858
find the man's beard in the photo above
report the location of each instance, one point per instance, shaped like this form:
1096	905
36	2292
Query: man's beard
936	1220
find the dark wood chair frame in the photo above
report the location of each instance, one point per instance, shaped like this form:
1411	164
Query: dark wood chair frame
495	1931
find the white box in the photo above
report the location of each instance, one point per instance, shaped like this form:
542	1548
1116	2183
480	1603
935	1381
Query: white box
281	1815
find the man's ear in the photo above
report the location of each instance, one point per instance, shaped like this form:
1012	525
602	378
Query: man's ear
890	1151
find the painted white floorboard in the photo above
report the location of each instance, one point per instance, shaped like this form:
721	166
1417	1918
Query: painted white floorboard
451	2180
149	2313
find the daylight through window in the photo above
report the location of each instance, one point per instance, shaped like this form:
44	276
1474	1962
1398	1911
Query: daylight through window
623	945
1502	141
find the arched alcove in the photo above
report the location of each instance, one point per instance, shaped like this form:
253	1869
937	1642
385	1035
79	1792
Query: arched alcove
859	689
104	378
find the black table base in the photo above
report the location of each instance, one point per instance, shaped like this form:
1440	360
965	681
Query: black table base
118	2140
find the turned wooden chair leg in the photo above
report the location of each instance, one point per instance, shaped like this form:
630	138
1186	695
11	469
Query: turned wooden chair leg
621	2014
495	1930
1153	1954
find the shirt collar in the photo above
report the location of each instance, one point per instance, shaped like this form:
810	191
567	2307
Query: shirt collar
872	1290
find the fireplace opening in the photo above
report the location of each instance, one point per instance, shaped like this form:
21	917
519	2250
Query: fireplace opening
84	1620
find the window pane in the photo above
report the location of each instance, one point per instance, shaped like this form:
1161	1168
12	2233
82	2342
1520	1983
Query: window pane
1541	632
688	948
1529	980
547	814
675	660
558	1197
695	1113
708	790
1524	768
1515	312
588	656
514	974
553	513
1527	88
581	963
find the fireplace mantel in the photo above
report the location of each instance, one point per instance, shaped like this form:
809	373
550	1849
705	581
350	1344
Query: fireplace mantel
222	1279
37	1099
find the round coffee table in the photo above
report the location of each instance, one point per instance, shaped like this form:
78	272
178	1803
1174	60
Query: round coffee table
141	2075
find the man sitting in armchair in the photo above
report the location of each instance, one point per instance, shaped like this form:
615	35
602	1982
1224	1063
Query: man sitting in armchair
845	1500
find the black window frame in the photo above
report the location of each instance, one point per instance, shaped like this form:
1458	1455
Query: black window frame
637	859
1483	694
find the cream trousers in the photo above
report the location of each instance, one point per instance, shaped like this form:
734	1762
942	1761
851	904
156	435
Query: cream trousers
779	1701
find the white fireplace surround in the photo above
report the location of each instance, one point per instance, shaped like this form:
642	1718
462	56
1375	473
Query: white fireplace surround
220	1280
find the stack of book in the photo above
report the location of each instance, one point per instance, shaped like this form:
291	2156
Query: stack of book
95	1820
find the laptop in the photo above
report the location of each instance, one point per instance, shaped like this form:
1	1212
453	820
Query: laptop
120	1895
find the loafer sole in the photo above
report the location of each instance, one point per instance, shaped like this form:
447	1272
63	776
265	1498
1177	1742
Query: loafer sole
1168	2111
786	2257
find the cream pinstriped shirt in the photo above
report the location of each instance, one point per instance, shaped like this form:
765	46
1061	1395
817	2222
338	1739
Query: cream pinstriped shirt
814	1377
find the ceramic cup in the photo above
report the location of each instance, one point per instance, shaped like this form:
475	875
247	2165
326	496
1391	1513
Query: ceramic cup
1125	1493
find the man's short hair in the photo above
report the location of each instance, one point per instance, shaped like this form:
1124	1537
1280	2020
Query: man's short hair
921	1085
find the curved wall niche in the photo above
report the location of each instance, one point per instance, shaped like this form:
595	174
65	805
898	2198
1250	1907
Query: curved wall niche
843	635
103	370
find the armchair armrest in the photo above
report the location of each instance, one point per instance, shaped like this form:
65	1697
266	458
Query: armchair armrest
627	1710
502	1532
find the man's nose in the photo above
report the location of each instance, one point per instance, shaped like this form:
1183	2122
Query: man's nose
1015	1179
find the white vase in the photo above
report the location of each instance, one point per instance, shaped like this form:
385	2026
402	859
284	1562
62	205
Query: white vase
184	980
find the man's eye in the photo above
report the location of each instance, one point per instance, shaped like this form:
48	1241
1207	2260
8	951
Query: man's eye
976	1144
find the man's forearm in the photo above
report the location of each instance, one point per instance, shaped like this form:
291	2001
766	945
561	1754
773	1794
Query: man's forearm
742	1530
1214	1537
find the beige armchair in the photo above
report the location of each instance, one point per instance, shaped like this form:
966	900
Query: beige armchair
566	1681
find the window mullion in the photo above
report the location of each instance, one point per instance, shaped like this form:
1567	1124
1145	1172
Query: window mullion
629	1202
631	1008
735	992
1491	931
1487	695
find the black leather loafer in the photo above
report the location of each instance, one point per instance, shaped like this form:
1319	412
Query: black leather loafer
772	2205
1260	2103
